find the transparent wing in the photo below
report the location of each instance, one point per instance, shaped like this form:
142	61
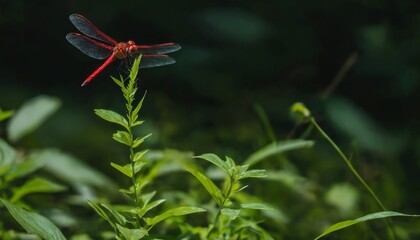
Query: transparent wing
149	61
86	27
91	47
158	49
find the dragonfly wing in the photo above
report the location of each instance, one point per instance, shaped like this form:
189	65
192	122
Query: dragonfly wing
148	61
87	28
158	48
89	46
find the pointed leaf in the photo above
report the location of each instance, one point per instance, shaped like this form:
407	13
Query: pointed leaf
122	137
135	68
119	217
229	163
277	148
36	185
138	155
256	173
7	153
71	169
33	222
118	82
230	213
139	141
215	160
98	209
23	169
5	114
135	123
126	170
132	234
257	206
153	205
7	156
111	116
211	188
138	166
145	198
138	107
179	211
377	215
242	169
31	115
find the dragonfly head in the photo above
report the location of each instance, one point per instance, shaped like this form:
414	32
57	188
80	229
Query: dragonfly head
131	47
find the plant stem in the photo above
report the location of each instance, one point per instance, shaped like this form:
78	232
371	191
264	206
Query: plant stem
354	171
130	98
227	195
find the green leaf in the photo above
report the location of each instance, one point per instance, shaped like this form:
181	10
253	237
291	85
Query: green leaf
344	197
98	209
179	211
135	69
112	116
122	137
230	213
138	155
138	107
146	197
119	217
7	156
140	212
36	185
153	204
138	166
377	215
5	114
256	173
277	148
22	169
33	222
215	160
257	206
126	170
139	141
132	234
136	123
209	185
241	169
31	115
229	163
119	82
72	170
357	124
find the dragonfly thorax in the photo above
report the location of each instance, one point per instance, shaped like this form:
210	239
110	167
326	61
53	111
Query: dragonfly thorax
124	49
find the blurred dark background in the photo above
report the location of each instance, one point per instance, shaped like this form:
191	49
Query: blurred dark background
235	55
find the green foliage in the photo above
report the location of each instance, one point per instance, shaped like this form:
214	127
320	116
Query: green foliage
33	222
227	223
31	115
5	114
15	169
129	221
41	188
372	216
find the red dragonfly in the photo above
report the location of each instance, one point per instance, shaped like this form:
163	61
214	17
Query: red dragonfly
98	45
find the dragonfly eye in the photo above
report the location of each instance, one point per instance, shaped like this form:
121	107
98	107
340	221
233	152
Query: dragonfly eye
132	48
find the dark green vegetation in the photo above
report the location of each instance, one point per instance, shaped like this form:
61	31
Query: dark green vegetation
355	66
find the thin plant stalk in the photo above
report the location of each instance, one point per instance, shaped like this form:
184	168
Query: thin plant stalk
354	171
